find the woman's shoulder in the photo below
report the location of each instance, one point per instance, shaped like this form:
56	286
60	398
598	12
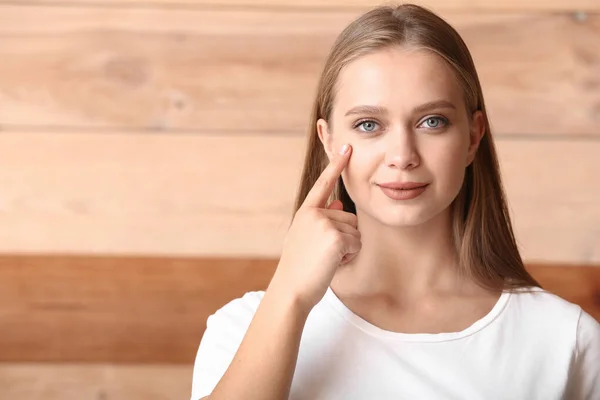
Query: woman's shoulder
225	330
539	299
249	300
239	310
547	310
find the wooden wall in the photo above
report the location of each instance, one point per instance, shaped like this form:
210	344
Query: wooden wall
150	152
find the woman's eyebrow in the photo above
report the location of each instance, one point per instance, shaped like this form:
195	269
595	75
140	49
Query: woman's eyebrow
378	110
373	110
431	105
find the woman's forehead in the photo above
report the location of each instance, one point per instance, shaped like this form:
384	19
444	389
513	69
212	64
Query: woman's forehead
397	77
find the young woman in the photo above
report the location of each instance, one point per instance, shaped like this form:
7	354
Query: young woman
400	277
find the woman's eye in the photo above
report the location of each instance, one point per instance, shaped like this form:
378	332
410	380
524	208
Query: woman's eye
435	122
367	126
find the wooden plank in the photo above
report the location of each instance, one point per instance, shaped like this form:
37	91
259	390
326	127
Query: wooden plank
158	194
115	309
216	195
228	69
471	5
153	310
24	381
553	204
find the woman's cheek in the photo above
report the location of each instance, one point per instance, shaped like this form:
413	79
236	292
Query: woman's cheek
454	172
355	173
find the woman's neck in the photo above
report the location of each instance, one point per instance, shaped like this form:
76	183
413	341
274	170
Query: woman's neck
403	263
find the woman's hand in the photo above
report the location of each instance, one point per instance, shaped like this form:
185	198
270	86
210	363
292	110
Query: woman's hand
319	240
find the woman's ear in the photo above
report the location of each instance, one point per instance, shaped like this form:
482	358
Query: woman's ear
477	130
325	137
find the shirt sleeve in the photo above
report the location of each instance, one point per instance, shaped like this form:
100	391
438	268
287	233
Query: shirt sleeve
224	332
585	377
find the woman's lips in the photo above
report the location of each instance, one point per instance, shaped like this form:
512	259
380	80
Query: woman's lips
403	194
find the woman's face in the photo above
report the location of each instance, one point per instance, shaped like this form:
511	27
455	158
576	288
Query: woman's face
403	112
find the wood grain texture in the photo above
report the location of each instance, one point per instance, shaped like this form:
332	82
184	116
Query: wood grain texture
247	70
115	309
154	310
232	195
470	5
157	194
25	381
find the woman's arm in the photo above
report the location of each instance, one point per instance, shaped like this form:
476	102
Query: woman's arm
320	237
265	362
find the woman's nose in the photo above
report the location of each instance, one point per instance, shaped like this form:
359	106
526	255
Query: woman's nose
401	150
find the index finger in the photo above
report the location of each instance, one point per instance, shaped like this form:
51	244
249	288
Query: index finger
321	190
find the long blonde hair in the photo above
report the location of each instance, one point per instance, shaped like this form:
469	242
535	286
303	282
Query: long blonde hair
482	231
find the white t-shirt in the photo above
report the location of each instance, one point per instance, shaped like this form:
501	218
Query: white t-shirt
529	346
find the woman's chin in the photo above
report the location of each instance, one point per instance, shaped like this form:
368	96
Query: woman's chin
400	218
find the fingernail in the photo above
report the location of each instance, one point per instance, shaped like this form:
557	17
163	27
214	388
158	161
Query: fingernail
344	149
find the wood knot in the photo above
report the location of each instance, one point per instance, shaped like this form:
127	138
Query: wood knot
129	71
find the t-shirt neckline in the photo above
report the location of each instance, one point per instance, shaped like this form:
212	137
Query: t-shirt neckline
332	299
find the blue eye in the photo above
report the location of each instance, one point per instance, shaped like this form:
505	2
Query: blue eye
435	122
367	125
